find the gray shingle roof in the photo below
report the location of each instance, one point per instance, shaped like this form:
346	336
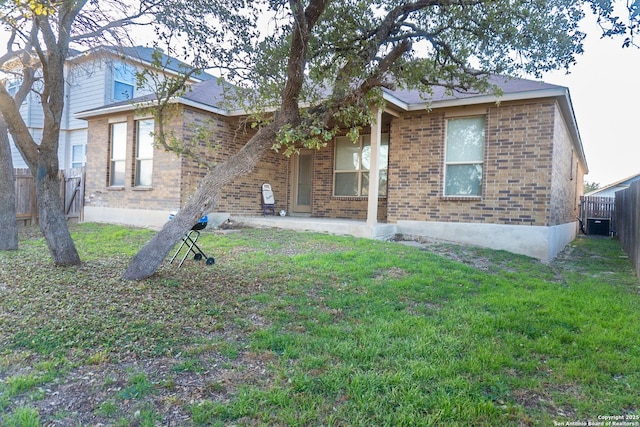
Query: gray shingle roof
508	85
145	55
210	94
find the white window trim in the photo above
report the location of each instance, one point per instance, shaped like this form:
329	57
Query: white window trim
138	159
359	171
121	80
113	159
446	164
13	85
83	155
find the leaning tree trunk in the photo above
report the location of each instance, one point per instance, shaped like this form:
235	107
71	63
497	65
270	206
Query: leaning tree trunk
150	257
8	224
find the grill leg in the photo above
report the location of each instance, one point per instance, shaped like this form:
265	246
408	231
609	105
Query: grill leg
184	241
191	242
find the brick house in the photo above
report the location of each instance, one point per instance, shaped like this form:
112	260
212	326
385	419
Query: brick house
462	167
95	77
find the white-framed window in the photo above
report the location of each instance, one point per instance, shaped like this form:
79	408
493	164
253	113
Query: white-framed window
124	78
13	85
144	152
77	156
352	161
464	156
118	135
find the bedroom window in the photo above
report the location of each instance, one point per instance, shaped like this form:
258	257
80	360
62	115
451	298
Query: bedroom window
144	152
77	156
124	77
351	175
464	156
118	154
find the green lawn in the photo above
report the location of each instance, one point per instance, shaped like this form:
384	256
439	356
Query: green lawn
309	329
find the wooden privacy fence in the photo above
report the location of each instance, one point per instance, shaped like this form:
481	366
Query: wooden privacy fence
597	215
628	220
71	191
26	204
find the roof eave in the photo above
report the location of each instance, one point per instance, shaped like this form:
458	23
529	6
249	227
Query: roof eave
559	93
145	104
85	115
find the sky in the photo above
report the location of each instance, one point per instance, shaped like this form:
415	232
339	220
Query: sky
604	86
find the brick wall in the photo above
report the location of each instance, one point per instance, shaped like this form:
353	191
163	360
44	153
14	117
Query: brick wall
243	195
520	186
567	176
517	173
162	195
175	178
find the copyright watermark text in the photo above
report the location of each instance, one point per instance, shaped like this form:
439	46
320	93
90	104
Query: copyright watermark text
629	420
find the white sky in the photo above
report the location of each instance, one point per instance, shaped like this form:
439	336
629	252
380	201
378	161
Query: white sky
604	86
605	92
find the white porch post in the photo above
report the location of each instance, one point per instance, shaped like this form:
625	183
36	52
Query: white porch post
374	172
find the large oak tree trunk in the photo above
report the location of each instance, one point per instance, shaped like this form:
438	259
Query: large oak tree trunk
8	224
42	158
43	164
8	221
52	219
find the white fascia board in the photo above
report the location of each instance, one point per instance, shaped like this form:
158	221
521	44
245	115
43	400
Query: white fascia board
111	110
132	106
194	104
485	99
395	101
566	107
474	100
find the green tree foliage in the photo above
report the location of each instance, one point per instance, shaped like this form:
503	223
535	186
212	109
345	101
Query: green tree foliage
590	186
319	66
40	36
618	19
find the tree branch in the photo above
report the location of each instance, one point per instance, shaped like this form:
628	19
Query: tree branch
119	23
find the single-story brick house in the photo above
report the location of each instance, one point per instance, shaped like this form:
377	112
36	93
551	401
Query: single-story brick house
460	167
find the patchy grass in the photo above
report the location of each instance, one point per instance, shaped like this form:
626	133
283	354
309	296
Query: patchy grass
309	329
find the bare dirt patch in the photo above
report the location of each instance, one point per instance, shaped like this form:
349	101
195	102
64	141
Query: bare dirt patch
93	394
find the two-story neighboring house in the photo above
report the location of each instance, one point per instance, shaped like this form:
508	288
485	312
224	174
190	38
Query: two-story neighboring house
96	77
